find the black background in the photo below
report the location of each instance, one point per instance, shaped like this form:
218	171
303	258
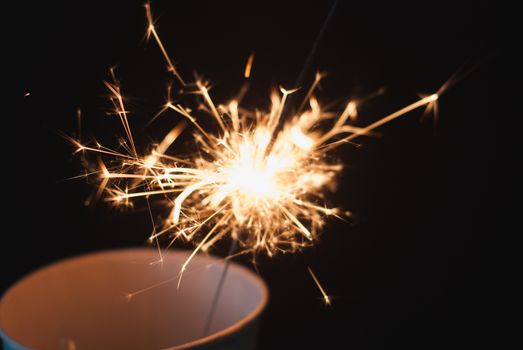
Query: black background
406	273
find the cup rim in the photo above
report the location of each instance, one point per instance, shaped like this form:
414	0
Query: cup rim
224	333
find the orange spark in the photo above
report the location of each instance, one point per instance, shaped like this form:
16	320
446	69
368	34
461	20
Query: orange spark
248	66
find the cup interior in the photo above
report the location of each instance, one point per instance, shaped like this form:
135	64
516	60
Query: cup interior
88	302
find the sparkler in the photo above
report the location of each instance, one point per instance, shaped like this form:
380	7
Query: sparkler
261	179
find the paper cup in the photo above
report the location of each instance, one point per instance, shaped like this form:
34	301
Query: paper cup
83	303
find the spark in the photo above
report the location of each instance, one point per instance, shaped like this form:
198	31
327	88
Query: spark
326	297
262	178
248	66
151	29
27	94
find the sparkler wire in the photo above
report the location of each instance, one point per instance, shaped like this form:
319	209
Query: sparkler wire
317	41
219	288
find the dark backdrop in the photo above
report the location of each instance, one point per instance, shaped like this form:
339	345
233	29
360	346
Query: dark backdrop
407	272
